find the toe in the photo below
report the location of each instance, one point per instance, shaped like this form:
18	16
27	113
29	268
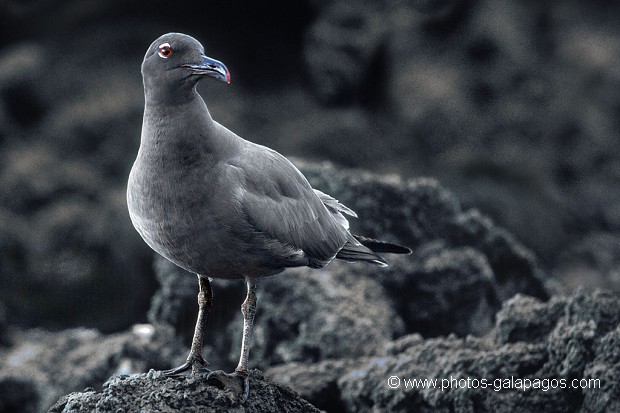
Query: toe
178	370
193	365
237	382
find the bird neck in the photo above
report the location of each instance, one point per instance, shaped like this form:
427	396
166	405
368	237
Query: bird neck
170	95
180	125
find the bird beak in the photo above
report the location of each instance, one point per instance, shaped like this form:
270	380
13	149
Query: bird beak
210	67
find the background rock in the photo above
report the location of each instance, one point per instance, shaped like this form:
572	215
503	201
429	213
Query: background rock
576	345
41	366
511	107
595	261
462	268
343	51
330	314
494	99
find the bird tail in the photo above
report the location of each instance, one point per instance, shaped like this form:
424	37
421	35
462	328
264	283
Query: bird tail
382	246
364	249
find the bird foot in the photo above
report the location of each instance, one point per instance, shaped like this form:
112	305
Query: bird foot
237	381
194	364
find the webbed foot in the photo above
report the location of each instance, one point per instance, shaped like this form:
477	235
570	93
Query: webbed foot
194	363
237	382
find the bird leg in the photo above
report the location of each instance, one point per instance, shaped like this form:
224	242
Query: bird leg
248	309
205	303
232	380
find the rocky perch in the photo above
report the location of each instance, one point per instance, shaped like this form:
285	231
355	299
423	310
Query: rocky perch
152	392
565	349
471	302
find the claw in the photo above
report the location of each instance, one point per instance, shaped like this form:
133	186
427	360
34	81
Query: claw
193	363
237	381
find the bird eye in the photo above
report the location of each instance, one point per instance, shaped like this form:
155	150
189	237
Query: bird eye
165	51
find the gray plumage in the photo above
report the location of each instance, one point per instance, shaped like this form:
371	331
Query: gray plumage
216	204
220	206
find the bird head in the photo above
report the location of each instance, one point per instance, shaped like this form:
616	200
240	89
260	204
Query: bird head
176	59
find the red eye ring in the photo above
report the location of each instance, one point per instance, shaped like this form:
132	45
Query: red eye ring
165	51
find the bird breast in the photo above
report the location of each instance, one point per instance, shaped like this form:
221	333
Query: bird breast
174	213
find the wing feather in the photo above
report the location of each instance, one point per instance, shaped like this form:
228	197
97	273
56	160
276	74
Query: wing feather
336	208
279	202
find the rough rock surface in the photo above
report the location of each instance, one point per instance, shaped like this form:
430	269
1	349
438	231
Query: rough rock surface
342	49
462	262
337	326
594	261
152	392
329	313
569	348
512	106
462	268
509	104
4	339
64	221
41	366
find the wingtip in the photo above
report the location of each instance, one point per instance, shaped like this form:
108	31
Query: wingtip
382	246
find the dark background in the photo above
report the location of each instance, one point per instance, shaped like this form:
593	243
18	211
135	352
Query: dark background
512	105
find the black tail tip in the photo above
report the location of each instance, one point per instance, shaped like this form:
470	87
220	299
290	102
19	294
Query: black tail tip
382	246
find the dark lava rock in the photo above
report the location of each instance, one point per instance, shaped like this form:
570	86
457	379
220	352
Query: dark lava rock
60	265
303	315
570	361
41	366
462	263
461	270
175	304
593	261
4	338
606	368
526	319
341	48
177	288
513	105
317	382
490	96
443	290
436	7
153	392
68	250
312	315
21	106
3	323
